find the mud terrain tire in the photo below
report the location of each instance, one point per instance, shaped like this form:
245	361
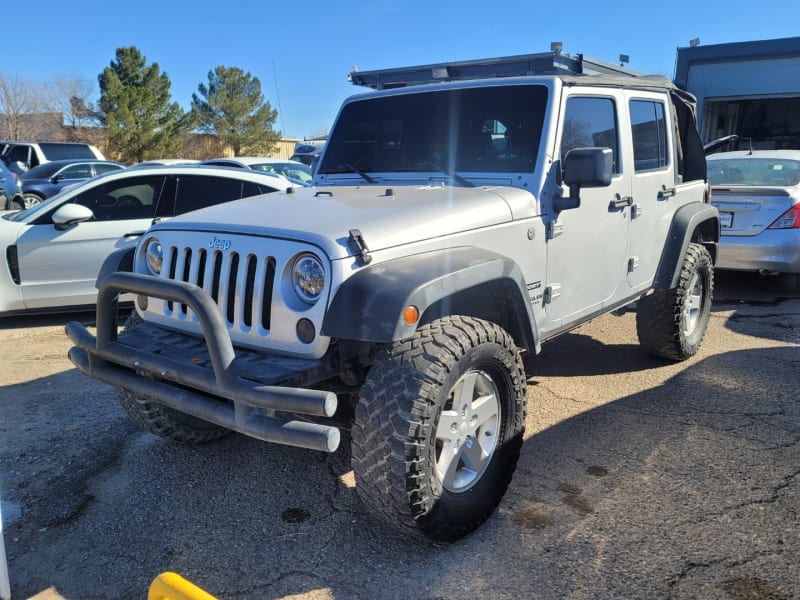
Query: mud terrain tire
671	323
438	427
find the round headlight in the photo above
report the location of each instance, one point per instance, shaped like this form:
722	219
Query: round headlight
154	255
308	278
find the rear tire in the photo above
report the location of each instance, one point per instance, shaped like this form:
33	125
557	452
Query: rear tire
438	428
671	323
156	418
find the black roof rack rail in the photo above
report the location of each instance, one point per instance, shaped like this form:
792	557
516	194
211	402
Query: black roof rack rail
544	63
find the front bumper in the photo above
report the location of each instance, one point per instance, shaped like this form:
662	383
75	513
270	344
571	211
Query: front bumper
208	381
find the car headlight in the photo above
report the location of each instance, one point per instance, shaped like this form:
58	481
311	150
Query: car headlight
308	278
154	255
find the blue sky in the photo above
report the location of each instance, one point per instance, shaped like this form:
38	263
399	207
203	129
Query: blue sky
303	51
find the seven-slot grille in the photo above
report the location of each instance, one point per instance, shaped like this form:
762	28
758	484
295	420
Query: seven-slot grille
240	284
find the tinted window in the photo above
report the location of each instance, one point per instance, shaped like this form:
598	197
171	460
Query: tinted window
490	129
198	191
591	123
649	134
131	198
82	171
17	153
105	168
62	151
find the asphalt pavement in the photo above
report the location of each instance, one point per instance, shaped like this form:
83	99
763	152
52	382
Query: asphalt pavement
639	478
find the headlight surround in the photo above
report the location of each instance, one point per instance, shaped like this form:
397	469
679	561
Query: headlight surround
154	255
308	278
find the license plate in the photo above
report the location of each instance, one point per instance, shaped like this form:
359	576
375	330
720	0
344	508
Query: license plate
726	220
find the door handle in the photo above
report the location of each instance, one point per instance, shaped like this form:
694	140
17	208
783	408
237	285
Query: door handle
620	202
666	192
132	234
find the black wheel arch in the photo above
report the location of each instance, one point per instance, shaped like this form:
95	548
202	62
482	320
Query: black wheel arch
119	260
696	222
465	281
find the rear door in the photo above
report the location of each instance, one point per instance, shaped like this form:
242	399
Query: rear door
652	184
59	267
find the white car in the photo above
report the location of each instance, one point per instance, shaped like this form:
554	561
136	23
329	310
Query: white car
54	250
294	171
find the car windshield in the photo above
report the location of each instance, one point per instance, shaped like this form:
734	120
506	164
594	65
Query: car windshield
482	130
754	171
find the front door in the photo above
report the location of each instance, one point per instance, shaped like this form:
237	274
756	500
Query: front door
587	246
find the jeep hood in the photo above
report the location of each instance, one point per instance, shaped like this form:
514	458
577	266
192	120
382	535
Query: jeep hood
385	216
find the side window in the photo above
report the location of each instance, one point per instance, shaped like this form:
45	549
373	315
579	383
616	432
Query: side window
198	191
101	168
132	198
80	171
591	123
649	134
254	189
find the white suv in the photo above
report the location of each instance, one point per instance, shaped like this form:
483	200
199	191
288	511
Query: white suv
21	156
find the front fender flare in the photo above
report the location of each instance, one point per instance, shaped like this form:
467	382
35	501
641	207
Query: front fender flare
369	305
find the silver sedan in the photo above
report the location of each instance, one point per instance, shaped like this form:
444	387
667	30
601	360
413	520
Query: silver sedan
758	197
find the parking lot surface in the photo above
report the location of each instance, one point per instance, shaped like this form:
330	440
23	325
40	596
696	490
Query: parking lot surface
639	478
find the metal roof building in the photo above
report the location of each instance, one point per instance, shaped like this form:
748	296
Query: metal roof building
751	89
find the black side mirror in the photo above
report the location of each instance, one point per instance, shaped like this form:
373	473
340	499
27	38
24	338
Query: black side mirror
584	167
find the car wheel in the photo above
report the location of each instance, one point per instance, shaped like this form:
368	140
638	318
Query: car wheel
438	427
671	323
31	199
17	203
162	420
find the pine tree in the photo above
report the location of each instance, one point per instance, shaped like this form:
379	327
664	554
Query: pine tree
233	107
135	107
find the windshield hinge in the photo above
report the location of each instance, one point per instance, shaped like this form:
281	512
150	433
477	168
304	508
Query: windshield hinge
357	240
555	229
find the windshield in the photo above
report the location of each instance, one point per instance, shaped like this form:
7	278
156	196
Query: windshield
754	171
484	130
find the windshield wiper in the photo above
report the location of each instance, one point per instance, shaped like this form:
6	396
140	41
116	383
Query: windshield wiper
451	174
357	171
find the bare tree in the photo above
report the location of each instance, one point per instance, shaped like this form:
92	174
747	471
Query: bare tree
18	97
68	101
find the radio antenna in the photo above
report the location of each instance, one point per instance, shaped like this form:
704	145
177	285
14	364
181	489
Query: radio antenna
278	95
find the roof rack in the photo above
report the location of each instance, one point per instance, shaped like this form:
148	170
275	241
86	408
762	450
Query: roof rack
544	63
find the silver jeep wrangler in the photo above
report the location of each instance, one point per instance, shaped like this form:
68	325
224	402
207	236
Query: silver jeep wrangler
462	215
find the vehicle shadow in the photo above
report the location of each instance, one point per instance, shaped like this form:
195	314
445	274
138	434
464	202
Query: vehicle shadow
625	499
765	307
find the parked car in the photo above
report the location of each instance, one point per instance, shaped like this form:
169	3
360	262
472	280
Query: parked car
54	250
167	161
758	196
22	156
50	178
10	190
294	171
308	152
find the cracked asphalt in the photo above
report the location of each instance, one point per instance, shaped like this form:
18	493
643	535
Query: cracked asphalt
638	479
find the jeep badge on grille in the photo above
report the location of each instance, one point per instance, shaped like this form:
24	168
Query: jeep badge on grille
217	243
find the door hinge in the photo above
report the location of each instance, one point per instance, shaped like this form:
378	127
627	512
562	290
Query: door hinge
633	263
636	211
554	230
551	292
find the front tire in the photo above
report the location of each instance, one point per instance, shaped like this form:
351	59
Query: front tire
31	199
671	323
438	428
162	420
